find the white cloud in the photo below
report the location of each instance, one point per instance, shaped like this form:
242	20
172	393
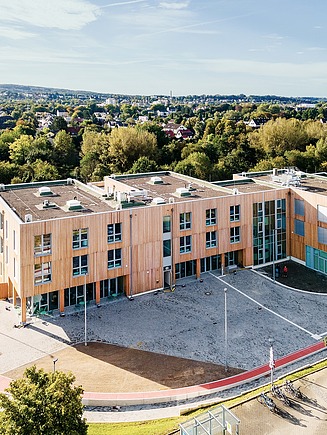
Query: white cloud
60	14
15	33
122	3
173	5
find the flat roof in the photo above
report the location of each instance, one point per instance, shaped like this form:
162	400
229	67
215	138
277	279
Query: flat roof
170	182
26	200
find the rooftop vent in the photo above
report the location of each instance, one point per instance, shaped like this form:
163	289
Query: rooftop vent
156	180
235	191
28	218
48	204
69	181
74	204
158	201
45	191
2	187
183	191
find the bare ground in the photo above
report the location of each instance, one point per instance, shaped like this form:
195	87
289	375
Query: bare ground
101	367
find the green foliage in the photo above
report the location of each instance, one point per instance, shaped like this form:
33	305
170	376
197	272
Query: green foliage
42	403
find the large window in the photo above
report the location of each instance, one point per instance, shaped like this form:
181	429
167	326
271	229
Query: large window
185	244
42	273
114	233
166	248
187	268
234	213
210	263
80	265
322	235
298	227
114	258
112	287
185	222
80	238
235	235
42	244
166	224
75	295
211	239
299	207
211	216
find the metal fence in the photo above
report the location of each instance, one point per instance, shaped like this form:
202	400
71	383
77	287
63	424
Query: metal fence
219	421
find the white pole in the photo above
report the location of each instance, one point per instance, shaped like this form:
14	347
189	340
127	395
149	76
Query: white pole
85	330
225	291
274	270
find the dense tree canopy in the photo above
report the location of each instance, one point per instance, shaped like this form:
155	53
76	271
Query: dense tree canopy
42	403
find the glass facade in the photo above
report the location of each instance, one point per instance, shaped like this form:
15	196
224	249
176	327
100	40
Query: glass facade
210	263
316	259
187	268
269	231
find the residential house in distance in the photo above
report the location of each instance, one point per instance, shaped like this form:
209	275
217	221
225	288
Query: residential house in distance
132	234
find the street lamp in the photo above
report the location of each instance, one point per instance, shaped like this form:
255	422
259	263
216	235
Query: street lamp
54	364
271	361
85	328
225	292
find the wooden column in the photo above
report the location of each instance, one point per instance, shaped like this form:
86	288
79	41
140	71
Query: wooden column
62	300
23	309
198	268
97	292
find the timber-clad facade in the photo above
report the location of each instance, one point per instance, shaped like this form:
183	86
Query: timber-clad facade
132	234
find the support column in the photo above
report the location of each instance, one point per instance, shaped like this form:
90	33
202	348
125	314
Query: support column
62	300
198	268
97	292
23	309
14	295
223	267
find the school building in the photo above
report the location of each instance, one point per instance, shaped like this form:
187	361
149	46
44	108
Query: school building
132	234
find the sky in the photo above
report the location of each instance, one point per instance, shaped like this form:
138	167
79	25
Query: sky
154	47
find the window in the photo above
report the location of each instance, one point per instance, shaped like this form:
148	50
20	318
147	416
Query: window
322	235
211	239
235	236
234	213
80	238
185	244
42	244
299	207
42	273
1	221
6	229
114	233
167	248
80	265
298	227
166	224
1	245
211	216
322	213
14	239
14	267
114	258
185	221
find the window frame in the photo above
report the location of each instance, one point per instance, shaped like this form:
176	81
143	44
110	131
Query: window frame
211	216
45	246
235	213
82	266
116	260
42	273
116	234
185	221
235	235
79	239
211	239
185	244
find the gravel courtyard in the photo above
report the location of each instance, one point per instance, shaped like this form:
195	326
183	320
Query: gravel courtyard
187	323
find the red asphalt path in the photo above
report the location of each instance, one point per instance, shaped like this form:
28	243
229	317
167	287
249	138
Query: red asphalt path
151	397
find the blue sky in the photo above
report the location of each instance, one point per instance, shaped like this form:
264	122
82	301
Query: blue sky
154	47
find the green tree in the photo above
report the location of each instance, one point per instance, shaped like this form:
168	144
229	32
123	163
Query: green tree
143	164
42	403
129	144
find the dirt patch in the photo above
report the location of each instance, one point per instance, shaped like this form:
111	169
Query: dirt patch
101	367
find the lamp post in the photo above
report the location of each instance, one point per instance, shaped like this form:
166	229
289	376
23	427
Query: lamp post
271	362
274	270
85	326
54	364
225	293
